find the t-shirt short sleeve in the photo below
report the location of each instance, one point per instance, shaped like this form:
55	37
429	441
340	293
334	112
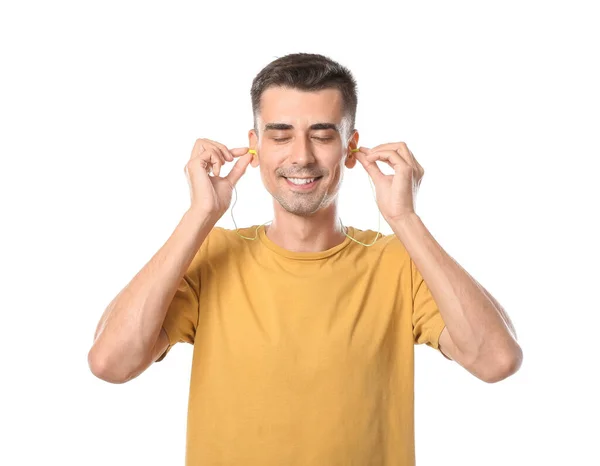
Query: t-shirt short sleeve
426	318
181	319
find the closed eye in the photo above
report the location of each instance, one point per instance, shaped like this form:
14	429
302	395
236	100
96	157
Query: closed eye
285	139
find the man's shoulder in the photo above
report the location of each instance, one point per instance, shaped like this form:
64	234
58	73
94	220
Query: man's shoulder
229	240
219	233
373	237
385	248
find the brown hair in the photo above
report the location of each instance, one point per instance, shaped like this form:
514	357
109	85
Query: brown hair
307	72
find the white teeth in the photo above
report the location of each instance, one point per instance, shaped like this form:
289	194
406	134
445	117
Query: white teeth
301	181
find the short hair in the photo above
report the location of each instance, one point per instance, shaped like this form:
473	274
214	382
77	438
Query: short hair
306	72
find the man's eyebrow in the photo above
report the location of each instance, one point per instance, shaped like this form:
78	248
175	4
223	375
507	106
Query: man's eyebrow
285	126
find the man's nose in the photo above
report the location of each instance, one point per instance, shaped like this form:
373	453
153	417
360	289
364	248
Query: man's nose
301	151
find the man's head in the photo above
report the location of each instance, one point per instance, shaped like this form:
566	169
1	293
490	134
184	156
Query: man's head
304	108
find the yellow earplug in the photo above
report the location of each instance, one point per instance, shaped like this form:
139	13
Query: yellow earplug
354	150
252	151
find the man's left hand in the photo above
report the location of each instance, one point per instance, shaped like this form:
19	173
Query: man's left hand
396	194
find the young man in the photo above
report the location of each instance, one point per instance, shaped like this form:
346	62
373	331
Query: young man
304	329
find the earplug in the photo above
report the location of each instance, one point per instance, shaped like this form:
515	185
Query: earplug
252	151
354	150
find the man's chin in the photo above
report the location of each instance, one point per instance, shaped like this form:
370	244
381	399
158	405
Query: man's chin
300	211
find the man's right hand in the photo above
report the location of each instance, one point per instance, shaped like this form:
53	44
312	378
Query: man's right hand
211	195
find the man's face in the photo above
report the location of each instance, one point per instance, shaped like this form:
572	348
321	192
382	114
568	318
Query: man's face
302	135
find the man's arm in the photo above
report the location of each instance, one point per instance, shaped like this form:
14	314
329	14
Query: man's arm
129	333
478	334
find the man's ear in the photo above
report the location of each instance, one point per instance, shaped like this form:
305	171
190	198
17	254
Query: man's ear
353	144
253	144
350	161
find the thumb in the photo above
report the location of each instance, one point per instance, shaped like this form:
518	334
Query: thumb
239	168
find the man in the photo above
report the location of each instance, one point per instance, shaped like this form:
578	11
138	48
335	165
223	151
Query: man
303	330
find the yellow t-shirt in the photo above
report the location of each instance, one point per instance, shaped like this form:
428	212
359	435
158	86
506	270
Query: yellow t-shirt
301	358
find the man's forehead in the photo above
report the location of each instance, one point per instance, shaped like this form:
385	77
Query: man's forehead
278	93
323	105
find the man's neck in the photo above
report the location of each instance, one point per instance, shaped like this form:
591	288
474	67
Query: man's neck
316	233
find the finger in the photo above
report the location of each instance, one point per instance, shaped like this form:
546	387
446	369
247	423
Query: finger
239	168
388	146
223	149
371	167
391	157
239	151
199	147
416	163
402	149
216	161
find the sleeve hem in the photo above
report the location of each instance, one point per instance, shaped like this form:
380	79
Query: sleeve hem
169	346
434	336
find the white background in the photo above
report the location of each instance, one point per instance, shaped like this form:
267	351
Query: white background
101	102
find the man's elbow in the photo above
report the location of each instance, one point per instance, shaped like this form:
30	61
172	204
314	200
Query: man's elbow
506	366
104	370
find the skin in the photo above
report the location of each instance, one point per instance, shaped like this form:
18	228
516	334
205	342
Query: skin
303	222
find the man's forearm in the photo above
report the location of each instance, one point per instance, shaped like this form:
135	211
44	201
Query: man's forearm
130	325
478	326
